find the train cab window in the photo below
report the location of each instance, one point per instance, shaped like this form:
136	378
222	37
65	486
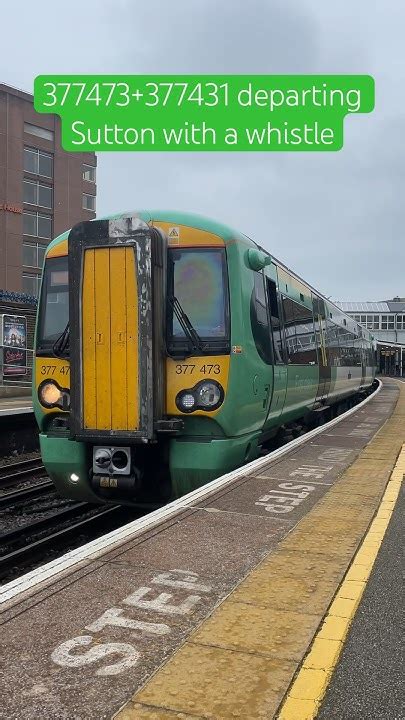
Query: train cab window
197	301
272	298
54	312
260	320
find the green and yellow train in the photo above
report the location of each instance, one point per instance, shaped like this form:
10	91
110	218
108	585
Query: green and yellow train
170	349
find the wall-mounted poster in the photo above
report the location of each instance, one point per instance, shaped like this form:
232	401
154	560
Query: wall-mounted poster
14	342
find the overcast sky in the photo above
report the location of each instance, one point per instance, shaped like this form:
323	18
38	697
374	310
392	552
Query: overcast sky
335	218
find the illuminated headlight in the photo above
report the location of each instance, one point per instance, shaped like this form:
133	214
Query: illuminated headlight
206	395
51	395
209	394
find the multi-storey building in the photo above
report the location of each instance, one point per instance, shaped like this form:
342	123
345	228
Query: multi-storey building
43	189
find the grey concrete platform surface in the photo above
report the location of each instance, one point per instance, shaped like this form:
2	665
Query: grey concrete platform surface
79	645
369	681
16	405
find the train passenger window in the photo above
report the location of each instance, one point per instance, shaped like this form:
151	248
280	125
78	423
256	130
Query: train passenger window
272	298
332	344
289	327
349	350
299	333
259	319
344	347
305	346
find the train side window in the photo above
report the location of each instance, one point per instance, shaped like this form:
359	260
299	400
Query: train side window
275	321
332	344
259	319
289	328
299	333
305	345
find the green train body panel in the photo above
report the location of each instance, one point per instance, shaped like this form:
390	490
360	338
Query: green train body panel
62	457
196	463
260	396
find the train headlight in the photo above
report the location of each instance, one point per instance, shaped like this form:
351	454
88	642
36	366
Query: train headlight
206	395
50	395
209	395
186	402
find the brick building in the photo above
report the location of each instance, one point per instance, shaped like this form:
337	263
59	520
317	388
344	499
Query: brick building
43	189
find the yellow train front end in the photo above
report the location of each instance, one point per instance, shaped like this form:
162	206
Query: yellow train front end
119	372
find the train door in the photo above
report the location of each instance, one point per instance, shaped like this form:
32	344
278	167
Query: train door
320	332
277	399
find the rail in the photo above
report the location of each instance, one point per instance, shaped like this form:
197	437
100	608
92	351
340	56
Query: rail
19	557
13	473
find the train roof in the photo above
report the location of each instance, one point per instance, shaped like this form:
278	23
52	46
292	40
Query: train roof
199	222
224	231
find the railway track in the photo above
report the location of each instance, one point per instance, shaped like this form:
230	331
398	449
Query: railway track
24	494
23	546
14	473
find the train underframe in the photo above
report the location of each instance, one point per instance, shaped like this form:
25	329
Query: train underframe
156	472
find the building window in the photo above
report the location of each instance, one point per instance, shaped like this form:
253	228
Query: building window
30	192
35	193
37	225
89	173
373	322
38	162
89	202
38	131
388	322
400	322
357	318
33	255
31	284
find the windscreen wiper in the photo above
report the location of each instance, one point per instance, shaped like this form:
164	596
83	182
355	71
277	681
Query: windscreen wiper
61	345
187	326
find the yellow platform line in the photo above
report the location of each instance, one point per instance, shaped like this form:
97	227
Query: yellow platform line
244	657
305	695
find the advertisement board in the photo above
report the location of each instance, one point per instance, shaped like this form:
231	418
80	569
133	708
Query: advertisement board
14	344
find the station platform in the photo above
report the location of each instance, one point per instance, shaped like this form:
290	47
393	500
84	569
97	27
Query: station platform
232	602
21	405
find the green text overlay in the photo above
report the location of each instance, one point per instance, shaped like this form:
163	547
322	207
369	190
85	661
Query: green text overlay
203	113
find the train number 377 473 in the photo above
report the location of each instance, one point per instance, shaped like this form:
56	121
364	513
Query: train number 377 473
50	370
204	369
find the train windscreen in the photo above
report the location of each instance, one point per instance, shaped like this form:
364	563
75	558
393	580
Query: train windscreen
54	303
197	281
